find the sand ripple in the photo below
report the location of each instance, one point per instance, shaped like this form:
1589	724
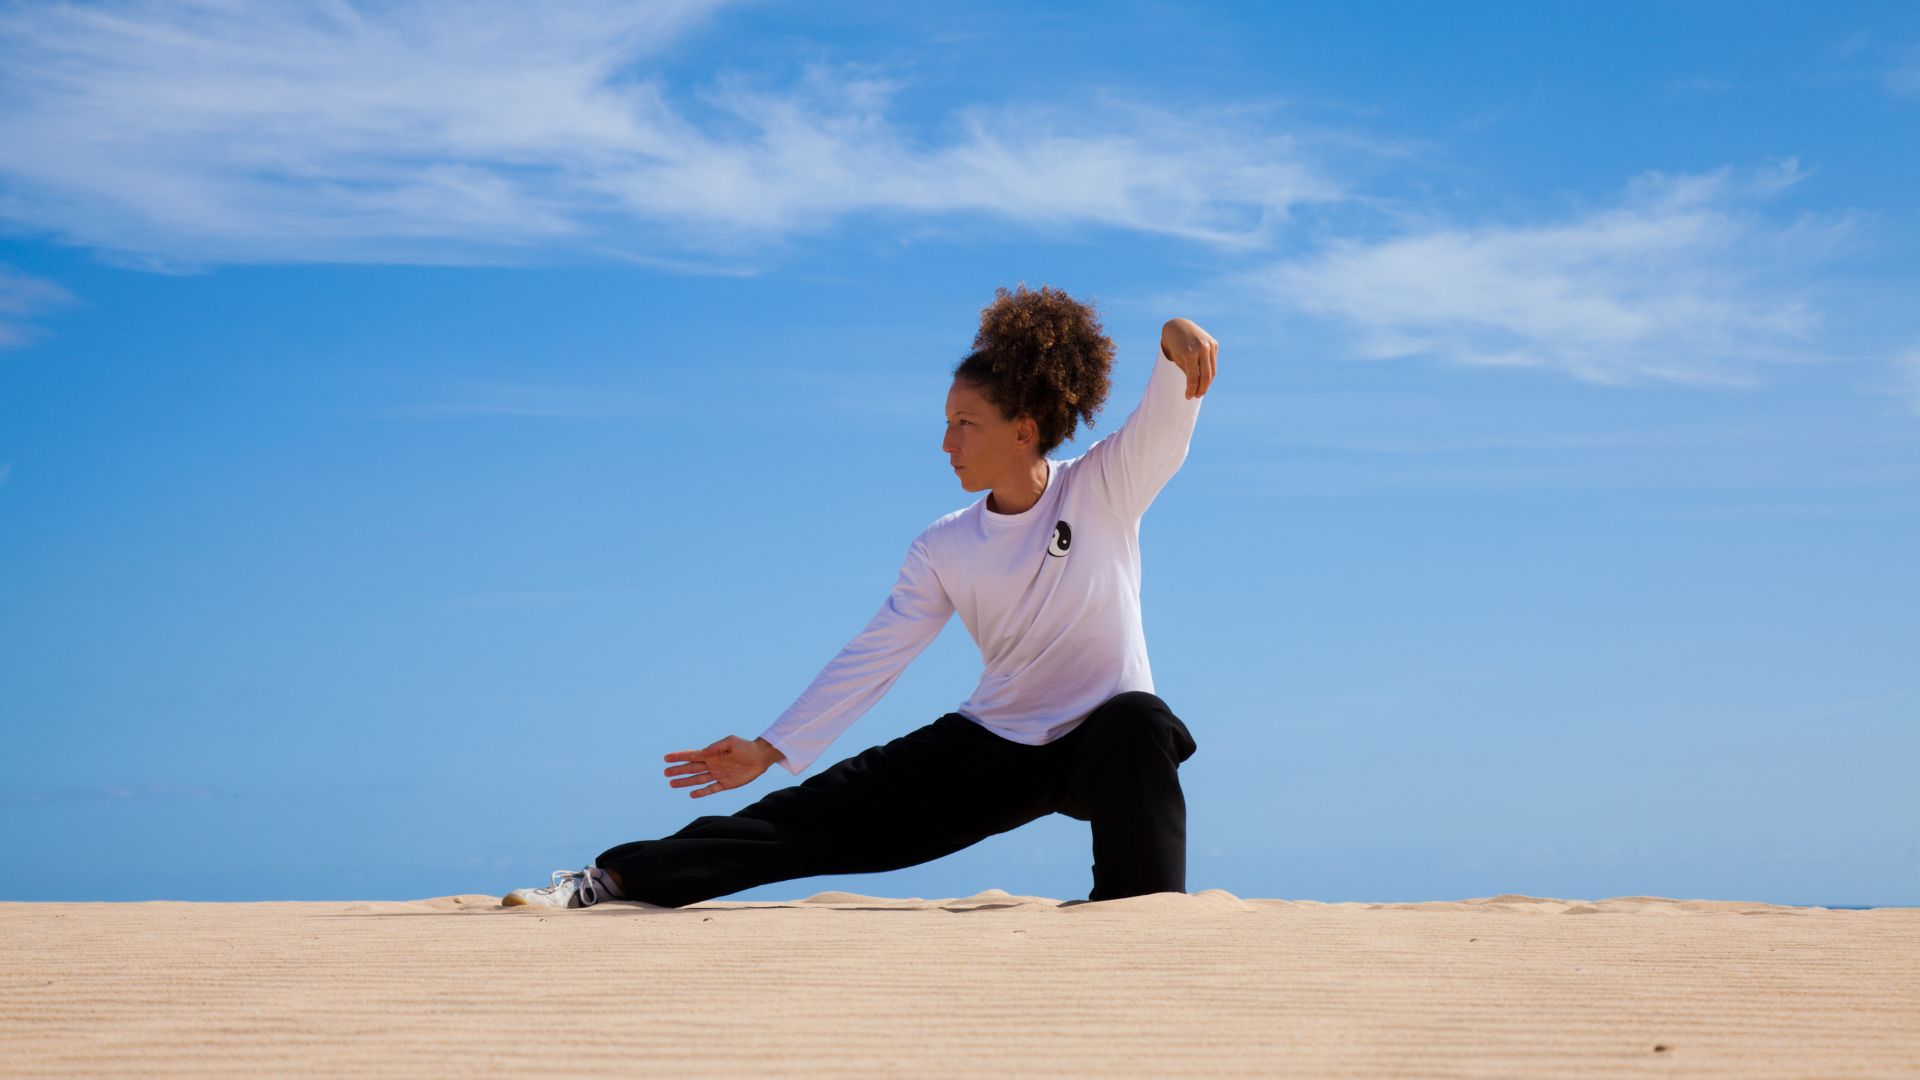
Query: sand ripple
993	984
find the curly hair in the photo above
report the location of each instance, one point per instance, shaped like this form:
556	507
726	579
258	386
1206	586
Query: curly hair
1040	354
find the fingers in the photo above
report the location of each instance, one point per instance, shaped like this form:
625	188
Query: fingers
696	770
712	749
1195	350
702	778
693	772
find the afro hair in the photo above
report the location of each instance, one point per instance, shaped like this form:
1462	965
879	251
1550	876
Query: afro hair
1043	355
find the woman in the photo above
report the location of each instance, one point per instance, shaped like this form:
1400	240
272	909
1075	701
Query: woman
1045	573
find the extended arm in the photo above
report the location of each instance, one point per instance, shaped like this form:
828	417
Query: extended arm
863	671
869	665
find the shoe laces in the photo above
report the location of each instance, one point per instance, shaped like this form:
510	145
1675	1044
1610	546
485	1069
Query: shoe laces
559	879
582	883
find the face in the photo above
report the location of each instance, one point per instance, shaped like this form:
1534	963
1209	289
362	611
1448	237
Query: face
984	446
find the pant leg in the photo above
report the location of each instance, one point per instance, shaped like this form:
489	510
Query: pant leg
1121	769
928	793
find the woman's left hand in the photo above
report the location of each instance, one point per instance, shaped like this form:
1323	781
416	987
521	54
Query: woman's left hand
1194	350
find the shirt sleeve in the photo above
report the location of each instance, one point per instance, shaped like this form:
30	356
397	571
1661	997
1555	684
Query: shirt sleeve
868	666
1135	461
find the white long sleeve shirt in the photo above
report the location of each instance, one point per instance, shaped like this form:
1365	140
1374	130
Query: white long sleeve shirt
1051	594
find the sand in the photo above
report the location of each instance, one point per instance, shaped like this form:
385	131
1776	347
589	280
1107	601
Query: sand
994	984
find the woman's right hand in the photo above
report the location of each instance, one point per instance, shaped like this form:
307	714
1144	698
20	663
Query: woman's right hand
729	763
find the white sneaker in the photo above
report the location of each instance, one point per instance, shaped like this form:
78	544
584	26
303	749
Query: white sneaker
570	889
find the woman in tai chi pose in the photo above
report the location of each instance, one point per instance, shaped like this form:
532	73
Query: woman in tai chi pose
1045	572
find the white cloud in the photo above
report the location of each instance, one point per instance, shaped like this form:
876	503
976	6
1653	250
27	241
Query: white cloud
1905	77
493	397
1705	84
23	297
1906	373
1679	280
115	793
442	132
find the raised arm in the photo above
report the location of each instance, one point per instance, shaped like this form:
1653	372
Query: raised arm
1138	458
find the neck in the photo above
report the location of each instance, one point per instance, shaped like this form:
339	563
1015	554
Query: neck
1017	496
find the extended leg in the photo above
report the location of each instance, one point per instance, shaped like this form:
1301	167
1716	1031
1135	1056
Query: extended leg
1123	776
926	794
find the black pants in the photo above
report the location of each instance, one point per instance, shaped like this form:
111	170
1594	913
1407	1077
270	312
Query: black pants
935	790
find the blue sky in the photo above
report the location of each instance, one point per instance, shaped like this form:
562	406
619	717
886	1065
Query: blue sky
417	419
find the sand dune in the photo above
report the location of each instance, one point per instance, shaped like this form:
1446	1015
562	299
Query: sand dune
992	984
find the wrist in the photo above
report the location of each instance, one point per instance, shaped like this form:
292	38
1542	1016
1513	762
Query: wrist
768	750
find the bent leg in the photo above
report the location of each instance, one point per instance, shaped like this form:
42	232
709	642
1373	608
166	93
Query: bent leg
928	793
1122	774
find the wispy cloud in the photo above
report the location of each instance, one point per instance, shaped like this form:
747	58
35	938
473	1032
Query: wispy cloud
521	599
1906	379
1640	474
892	395
1904	78
21	298
1681	279
1705	84
1776	510
114	793
441	132
880	394
484	397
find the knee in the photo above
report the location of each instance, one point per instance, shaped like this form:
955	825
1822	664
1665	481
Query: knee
1143	715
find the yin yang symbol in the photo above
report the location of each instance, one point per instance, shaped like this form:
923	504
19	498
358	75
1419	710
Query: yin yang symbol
1062	539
